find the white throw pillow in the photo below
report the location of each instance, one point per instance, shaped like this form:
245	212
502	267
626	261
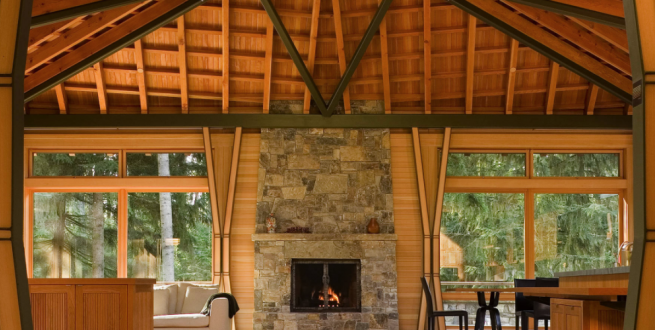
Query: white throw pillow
172	296
161	299
181	289
195	299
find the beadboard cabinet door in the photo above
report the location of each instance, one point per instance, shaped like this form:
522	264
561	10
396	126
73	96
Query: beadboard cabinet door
101	307
53	306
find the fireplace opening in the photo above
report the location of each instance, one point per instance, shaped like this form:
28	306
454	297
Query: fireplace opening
325	285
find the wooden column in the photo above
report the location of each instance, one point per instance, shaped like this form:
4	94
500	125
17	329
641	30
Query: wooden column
640	23
14	296
431	174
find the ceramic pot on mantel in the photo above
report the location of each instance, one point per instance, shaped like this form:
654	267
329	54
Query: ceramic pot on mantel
270	223
373	226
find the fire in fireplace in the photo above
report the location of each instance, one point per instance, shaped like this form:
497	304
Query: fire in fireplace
325	285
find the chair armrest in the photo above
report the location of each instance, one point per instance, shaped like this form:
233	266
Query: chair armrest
219	318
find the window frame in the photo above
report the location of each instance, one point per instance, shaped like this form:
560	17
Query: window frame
122	184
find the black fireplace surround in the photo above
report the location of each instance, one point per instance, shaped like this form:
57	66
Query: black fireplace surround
311	279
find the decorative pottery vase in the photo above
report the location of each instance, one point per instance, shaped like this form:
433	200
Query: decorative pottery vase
373	226
625	254
270	223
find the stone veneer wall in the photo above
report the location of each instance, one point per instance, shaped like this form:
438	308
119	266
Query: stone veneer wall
273	283
330	180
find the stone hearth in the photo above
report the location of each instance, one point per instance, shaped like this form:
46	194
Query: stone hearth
273	255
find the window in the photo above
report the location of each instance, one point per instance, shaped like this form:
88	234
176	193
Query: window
482	237
166	164
576	165
170	236
74	164
575	232
483	164
74	235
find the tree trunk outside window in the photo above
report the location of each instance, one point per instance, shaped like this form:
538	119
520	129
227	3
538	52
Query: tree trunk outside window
98	235
166	211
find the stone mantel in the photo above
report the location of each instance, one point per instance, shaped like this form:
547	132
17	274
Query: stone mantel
324	237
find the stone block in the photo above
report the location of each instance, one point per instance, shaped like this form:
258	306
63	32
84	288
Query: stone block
323	249
304	162
293	192
352	154
274	180
331	184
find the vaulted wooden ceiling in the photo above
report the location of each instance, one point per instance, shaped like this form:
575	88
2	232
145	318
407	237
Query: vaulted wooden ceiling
460	66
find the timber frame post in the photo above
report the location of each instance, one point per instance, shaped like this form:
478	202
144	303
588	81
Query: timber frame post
327	108
15	310
640	15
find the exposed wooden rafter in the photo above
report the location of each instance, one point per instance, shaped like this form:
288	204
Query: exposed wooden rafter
76	35
100	85
553	76
590	101
225	25
609	7
384	53
181	61
62	99
268	65
470	63
313	32
141	76
511	75
615	36
341	51
578	36
427	58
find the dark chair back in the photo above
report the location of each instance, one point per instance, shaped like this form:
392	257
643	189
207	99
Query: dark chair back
520	301
547	282
428	295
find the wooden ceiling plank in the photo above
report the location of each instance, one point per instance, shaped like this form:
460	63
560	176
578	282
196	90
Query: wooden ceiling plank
511	75
341	51
590	102
268	64
225	26
553	76
100	85
384	53
95	45
72	37
470	63
556	45
181	61
615	36
427	57
62	99
313	33
141	76
578	36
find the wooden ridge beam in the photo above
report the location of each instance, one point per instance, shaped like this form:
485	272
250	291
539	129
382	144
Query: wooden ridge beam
141	76
100	85
511	75
106	44
577	35
384	54
548	45
607	12
181	61
553	76
313	32
470	63
225	26
74	36
341	51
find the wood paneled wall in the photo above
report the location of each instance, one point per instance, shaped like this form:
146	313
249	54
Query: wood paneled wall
242	248
407	217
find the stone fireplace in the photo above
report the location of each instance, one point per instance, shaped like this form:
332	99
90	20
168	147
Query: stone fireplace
330	183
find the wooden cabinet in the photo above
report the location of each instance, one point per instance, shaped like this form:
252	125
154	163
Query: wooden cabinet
568	314
92	304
